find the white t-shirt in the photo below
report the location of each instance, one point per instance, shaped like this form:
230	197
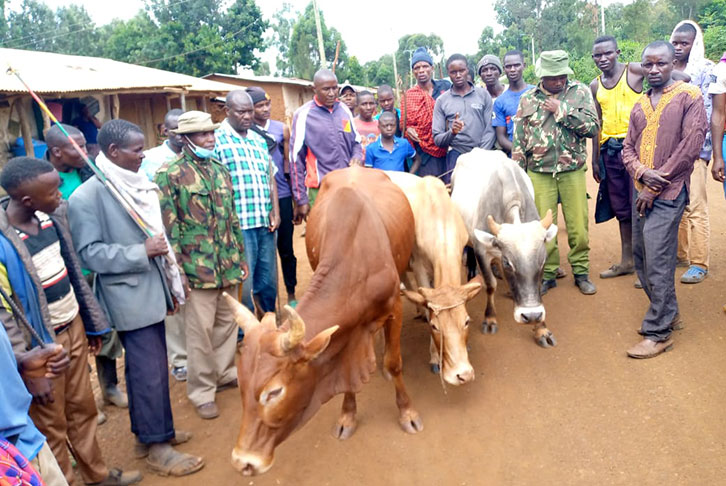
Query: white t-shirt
718	79
156	157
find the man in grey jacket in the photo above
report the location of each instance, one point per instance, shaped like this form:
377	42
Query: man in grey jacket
134	287
462	115
43	275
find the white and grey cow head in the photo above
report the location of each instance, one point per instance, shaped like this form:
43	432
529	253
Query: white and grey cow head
521	249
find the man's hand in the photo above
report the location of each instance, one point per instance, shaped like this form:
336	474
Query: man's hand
355	161
171	312
156	246
644	201
413	134
300	213
245	271
717	169
457	126
274	221
596	172
655	180
94	345
41	388
48	362
551	104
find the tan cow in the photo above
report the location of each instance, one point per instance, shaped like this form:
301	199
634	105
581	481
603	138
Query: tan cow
436	283
359	240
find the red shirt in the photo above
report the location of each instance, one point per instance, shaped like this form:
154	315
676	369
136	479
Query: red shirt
420	116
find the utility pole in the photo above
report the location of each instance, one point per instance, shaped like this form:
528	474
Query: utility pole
318	27
534	61
602	15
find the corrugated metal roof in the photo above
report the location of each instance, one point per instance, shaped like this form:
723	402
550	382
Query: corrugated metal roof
51	73
275	79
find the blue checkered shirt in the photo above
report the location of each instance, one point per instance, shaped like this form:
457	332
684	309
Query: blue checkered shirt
252	170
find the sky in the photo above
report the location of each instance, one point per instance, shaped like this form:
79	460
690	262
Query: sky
370	28
367	35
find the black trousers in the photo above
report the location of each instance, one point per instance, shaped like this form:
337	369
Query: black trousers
284	245
147	383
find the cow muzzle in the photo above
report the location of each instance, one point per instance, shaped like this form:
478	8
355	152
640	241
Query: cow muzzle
459	375
250	464
529	315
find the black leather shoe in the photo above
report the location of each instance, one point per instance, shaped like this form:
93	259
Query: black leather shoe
547	285
585	285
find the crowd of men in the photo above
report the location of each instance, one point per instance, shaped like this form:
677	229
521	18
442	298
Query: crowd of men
222	200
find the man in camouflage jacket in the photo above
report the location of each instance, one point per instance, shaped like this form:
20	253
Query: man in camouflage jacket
197	205
550	128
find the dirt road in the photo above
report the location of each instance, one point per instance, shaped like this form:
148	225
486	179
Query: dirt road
581	413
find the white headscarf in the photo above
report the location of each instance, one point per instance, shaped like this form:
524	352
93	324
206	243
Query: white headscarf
698	50
142	195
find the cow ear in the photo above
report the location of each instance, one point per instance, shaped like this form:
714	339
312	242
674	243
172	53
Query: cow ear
487	239
550	233
319	343
472	287
415	297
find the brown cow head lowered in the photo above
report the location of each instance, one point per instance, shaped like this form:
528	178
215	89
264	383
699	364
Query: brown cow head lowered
277	382
449	322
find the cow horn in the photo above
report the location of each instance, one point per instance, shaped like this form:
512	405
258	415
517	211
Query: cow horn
293	336
547	220
494	227
245	319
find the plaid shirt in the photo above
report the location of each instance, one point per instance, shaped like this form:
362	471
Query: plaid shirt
252	171
420	115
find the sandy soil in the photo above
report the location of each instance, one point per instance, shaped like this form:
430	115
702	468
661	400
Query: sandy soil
580	413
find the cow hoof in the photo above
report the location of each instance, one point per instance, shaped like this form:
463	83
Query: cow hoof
489	327
547	340
435	368
344	429
410	421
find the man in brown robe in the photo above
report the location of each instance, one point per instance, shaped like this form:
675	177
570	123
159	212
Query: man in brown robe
667	129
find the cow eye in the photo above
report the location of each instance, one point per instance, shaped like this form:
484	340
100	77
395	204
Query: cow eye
434	327
270	396
506	263
466	322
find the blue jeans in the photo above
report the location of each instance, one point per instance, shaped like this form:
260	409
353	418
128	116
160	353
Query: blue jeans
261	255
655	245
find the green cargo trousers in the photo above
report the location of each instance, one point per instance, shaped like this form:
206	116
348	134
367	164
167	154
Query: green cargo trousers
570	189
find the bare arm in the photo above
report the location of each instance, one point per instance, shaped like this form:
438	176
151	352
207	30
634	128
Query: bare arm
503	139
596	139
718	118
286	149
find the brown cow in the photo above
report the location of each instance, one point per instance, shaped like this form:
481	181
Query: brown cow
359	239
437	273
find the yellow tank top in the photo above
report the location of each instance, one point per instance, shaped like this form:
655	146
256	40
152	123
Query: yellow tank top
616	105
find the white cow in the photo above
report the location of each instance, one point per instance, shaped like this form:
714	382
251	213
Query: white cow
436	283
496	200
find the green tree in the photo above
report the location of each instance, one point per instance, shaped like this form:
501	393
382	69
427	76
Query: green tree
304	54
76	33
200	36
128	41
31	27
409	43
380	71
355	72
282	25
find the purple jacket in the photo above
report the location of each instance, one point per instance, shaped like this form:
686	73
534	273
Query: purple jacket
321	141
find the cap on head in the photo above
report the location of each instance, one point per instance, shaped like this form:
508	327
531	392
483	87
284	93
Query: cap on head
489	59
553	63
257	94
421	54
346	87
195	122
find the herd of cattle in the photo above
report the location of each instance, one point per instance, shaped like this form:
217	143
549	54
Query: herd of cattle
370	230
